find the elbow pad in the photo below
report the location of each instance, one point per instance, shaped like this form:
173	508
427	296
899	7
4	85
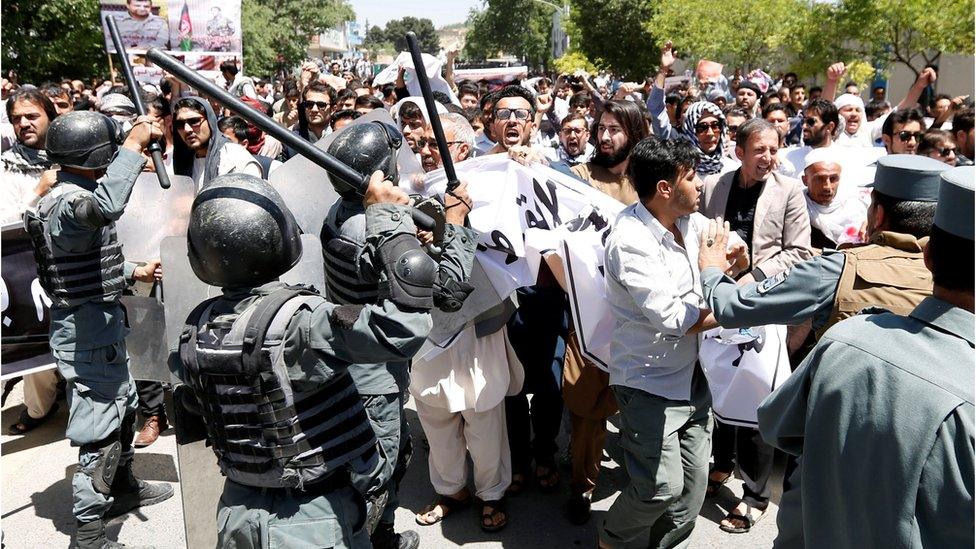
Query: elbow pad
87	212
408	271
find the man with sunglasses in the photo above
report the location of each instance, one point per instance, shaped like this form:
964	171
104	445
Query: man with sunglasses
574	142
902	131
200	151
314	114
512	124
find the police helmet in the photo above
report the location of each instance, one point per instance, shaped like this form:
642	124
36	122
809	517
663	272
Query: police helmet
241	233
365	148
83	139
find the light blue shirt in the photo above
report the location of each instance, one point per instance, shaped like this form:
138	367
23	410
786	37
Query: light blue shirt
654	290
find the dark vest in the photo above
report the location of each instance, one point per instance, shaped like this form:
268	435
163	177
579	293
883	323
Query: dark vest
266	434
74	278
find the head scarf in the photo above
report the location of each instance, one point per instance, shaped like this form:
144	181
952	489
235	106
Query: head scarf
419	101
708	163
863	135
183	155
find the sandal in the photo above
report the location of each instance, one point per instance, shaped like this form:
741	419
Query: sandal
489	519
448	504
517	485
714	485
547	479
749	519
26	423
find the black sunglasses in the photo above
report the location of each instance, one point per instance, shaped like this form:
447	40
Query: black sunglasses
946	151
906	135
702	127
322	105
810	121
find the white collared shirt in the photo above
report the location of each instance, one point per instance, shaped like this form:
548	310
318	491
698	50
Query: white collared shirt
654	290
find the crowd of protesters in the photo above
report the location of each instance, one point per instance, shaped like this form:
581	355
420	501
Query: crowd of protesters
791	167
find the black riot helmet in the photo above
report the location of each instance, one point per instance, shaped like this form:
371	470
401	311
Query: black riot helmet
365	148
241	233
83	139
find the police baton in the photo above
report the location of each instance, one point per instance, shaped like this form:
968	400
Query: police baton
326	161
136	92
435	120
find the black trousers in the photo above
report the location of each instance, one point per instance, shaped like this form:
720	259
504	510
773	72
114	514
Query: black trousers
745	446
151	398
532	431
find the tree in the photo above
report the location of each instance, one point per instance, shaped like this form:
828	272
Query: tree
745	33
276	32
396	33
45	40
517	27
614	34
911	32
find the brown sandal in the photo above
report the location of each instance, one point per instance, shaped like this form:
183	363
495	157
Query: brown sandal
489	519
448	504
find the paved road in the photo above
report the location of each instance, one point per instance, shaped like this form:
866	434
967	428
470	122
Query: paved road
36	499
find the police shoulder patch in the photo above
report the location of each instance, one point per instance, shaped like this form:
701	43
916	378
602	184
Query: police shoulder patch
773	281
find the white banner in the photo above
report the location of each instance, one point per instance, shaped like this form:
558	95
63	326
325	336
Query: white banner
524	212
743	367
431	64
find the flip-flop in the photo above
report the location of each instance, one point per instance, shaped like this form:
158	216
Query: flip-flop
30	423
488	518
748	518
448	504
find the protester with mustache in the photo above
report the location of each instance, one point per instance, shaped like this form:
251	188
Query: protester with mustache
768	211
574	146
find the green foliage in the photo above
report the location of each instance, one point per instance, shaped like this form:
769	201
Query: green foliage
276	33
746	33
45	40
912	32
613	33
396	34
516	27
572	61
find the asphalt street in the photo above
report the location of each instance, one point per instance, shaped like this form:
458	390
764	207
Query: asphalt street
35	502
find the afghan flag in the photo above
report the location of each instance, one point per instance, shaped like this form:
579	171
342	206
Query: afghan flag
186	29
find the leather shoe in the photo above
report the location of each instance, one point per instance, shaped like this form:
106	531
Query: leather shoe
150	431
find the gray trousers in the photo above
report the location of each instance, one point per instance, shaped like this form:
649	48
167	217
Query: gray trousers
102	401
666	445
389	422
254	518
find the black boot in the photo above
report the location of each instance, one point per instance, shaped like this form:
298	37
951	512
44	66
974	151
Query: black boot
131	493
385	538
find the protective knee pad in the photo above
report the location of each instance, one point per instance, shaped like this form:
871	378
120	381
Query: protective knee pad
102	472
410	273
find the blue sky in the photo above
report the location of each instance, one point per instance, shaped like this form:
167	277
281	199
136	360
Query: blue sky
441	12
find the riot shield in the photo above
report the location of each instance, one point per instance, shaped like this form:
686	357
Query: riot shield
199	474
306	188
152	214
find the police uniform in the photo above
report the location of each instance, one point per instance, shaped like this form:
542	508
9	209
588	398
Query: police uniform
889	271
351	280
881	416
82	269
269	366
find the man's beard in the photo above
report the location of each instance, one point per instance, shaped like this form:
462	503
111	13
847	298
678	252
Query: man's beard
610	160
817	138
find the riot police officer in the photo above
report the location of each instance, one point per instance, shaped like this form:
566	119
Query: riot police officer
887	272
82	269
367	147
268	364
